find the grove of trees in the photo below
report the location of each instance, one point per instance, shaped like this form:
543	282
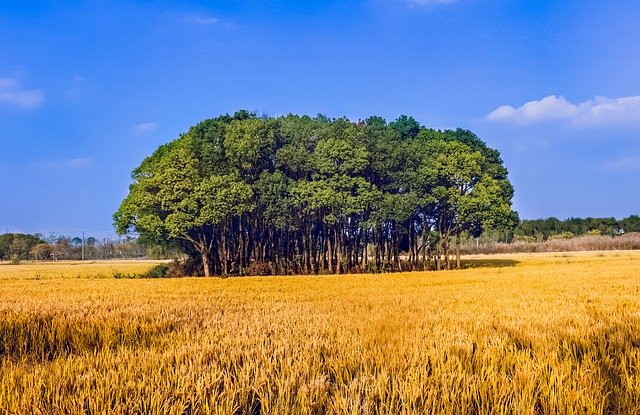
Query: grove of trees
244	194
19	247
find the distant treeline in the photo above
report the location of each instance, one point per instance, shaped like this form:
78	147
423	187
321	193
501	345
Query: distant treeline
537	230
17	247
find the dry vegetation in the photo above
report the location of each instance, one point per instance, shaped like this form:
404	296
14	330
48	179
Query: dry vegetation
627	241
556	334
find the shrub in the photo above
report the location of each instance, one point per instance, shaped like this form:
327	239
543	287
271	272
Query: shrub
562	235
120	275
258	268
159	271
174	269
184	268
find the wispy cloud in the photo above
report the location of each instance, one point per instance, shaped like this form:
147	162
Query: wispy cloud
598	111
8	83
429	2
69	164
11	93
624	164
76	88
145	127
202	20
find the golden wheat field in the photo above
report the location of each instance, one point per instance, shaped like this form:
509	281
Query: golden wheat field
72	269
519	334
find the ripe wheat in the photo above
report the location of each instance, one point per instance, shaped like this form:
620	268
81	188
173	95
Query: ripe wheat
552	334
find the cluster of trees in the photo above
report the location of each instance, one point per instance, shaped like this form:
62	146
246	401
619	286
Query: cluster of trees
246	194
543	229
18	247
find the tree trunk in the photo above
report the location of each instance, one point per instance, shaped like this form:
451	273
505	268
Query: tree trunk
396	251
458	266
424	242
329	254
446	253
364	250
225	261
205	264
411	236
337	248
438	258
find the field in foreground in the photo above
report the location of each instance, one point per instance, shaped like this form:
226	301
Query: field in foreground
540	334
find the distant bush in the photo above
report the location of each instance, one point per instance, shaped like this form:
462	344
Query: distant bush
14	259
121	275
562	235
158	271
174	269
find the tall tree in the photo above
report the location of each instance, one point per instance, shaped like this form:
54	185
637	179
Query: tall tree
170	198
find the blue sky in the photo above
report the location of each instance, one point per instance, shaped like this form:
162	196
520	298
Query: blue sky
90	88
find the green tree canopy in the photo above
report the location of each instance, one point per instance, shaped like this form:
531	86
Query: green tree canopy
17	245
296	194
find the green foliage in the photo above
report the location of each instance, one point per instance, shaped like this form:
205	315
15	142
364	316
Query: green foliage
563	235
17	245
407	127
158	271
543	229
244	194
630	224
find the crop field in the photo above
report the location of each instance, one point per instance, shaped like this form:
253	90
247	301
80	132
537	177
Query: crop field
515	334
73	269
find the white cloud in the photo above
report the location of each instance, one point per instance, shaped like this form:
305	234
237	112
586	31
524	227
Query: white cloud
12	94
69	164
145	127
625	164
598	111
